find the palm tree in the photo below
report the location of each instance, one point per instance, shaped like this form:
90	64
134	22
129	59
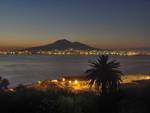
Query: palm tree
104	74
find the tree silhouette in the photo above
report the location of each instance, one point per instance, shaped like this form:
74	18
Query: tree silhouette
104	74
4	83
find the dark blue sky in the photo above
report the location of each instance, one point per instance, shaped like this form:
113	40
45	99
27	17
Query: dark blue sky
100	23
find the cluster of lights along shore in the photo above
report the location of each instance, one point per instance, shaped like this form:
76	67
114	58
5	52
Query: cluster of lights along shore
78	83
76	52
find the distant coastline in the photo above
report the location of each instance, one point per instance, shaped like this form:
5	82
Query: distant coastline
65	47
72	51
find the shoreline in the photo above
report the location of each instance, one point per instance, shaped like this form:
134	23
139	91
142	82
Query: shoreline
76	84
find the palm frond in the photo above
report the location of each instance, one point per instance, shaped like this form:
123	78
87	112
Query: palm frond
104	72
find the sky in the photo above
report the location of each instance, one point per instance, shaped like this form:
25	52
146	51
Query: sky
99	23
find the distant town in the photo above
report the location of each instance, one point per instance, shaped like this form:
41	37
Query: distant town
65	47
72	51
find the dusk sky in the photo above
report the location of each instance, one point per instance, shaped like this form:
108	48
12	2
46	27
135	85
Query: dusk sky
99	23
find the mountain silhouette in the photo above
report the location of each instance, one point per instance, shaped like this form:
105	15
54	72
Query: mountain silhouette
62	45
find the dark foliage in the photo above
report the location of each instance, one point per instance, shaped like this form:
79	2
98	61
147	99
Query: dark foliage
105	74
28	100
4	83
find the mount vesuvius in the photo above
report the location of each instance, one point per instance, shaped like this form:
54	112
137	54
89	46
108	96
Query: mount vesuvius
62	45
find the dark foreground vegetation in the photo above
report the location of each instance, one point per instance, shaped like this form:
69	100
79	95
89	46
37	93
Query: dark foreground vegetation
28	100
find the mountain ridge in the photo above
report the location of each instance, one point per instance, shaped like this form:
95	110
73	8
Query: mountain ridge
62	44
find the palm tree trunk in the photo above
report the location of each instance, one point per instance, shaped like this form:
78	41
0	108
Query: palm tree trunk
104	88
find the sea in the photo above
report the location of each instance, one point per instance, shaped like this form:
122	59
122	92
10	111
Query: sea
30	69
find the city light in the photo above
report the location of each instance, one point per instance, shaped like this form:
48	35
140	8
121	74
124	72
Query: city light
75	82
70	82
63	79
12	90
54	80
39	82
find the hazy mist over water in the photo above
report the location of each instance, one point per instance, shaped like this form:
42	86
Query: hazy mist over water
29	69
